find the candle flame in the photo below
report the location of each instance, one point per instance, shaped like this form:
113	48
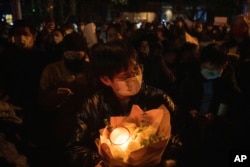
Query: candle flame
119	136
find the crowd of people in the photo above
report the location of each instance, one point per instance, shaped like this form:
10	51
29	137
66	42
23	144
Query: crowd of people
58	84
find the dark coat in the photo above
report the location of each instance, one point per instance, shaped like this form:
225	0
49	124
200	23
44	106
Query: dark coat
102	105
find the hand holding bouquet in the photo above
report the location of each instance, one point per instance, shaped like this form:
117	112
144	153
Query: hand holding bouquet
136	140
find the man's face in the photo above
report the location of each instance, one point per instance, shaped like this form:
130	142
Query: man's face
23	38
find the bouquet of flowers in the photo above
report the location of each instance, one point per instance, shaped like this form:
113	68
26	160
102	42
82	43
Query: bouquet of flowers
136	140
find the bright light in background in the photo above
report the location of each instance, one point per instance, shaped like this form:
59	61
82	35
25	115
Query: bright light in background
138	25
140	16
8	18
169	14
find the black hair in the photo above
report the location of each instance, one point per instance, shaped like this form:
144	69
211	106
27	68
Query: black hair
21	24
117	27
74	42
213	53
111	58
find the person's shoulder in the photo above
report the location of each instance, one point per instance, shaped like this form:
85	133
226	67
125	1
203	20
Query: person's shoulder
151	91
158	96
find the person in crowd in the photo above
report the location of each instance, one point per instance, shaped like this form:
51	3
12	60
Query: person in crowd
177	32
70	76
63	84
114	31
68	28
242	71
188	60
209	32
162	33
238	34
102	32
130	30
81	27
118	69
198	31
156	72
4	36
54	47
168	65
208	96
21	68
243	80
43	36
11	145
143	50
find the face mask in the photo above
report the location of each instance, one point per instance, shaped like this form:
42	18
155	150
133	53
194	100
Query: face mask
129	87
74	66
210	74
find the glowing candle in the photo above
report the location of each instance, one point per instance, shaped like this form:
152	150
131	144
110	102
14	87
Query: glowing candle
119	136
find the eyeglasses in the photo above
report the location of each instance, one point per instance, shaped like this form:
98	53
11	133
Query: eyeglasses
134	71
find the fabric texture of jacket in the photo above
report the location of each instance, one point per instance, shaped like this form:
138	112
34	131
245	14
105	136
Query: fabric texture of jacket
82	150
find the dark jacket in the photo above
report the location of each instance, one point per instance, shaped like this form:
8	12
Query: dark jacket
82	149
225	91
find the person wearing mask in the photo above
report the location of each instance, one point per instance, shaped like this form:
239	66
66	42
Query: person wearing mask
71	71
208	97
20	70
63	85
118	69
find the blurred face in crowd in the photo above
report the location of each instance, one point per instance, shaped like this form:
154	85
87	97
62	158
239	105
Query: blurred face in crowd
210	71
113	34
23	38
81	27
199	28
50	26
179	24
144	48
57	36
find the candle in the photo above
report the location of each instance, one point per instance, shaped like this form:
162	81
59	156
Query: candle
119	136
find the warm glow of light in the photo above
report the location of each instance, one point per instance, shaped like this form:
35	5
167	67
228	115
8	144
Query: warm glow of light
9	18
119	136
138	16
169	14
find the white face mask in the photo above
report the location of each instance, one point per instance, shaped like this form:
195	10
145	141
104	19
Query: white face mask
210	74
129	87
